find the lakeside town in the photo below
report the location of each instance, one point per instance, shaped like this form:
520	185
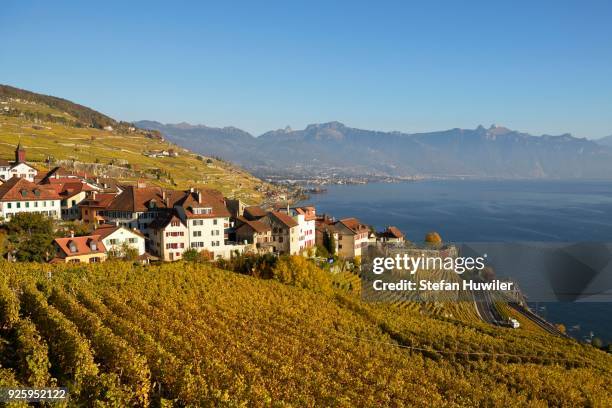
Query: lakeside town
96	219
108	219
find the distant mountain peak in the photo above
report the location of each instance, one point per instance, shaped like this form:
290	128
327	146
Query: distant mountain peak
496	130
327	125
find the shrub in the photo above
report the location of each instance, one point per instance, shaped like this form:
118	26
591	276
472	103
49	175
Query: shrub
298	271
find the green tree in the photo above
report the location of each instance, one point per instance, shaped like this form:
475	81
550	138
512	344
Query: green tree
190	255
31	237
322	251
124	251
78	228
329	243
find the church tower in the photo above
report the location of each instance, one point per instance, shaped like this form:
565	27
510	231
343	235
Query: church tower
20	154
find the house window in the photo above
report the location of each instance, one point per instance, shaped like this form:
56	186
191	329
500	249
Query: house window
214	222
197	233
95	259
9	205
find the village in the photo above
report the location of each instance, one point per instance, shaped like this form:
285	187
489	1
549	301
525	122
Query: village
158	224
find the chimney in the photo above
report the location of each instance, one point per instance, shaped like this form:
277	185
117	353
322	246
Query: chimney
199	197
71	234
94	194
141	184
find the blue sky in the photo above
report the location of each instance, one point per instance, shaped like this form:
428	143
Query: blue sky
536	66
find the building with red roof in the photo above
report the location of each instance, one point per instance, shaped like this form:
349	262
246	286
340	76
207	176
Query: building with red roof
353	236
169	237
390	234
87	249
285	232
115	238
255	233
18	195
18	168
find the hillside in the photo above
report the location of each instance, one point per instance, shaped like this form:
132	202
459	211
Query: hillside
194	334
57	132
333	148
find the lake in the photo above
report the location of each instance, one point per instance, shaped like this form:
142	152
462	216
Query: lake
491	211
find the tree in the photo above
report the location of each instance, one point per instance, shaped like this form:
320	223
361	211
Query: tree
129	252
31	237
597	342
190	255
298	271
78	228
433	238
124	251
322	251
193	255
329	243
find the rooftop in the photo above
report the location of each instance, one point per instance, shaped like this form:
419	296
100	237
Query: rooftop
19	189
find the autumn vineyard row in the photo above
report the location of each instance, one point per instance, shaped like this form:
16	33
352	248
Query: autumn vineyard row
191	335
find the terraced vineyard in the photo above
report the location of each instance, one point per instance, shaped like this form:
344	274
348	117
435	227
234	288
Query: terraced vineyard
48	132
189	334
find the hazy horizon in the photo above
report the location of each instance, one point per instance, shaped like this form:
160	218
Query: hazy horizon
541	68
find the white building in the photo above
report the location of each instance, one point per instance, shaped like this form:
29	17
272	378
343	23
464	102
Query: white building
18	195
168	237
306	219
207	219
115	238
147	209
18	168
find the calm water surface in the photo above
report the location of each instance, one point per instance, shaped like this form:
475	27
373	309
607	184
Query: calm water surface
493	211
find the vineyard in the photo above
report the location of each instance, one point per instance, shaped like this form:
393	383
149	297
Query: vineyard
191	335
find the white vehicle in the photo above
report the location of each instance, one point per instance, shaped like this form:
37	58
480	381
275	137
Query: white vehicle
514	324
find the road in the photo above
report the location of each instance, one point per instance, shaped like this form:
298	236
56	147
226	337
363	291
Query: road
489	313
487	310
549	327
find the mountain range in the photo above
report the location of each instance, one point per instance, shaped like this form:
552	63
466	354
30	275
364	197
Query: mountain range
333	148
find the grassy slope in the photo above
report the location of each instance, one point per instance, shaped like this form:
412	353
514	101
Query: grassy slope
253	342
88	145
